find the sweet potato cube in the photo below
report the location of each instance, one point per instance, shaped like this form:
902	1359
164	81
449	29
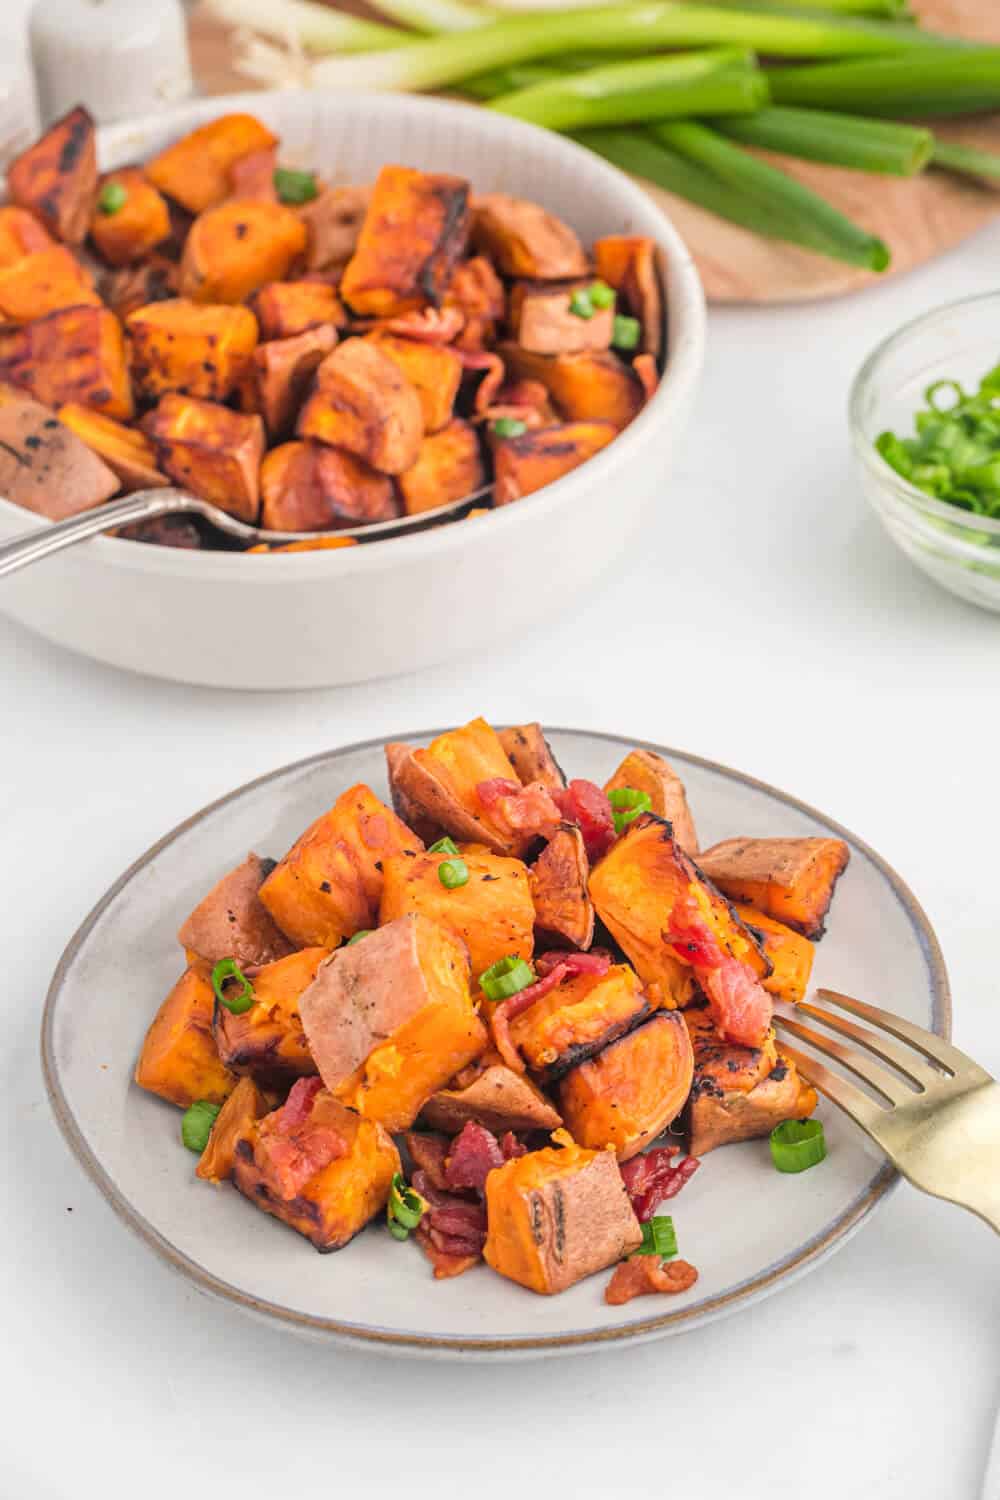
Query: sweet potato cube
495	1097
790	954
131	232
648	772
396	755
492	913
628	1094
232	921
285	370
523	239
44	466
449	467
531	756
194	171
434	371
308	487
179	1059
542	455
246	1104
21	234
333	221
791	879
414	232
76	354
199	351
363	403
440	783
329	884
627	262
542	320
556	1216
285	308
317	1167
267	1041
237	247
44	282
594	386
57	177
739	1093
390	1019
211	451
125	450
564	912
576	1019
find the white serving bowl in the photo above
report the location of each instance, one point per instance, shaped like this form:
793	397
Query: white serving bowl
314	619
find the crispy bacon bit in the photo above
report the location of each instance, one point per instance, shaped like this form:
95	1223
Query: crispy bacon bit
652	1178
644	366
597	961
492	380
519	809
557	967
472	1156
429	1153
298	1106
741	1008
584	803
511	1147
292	1145
445	1265
454	1224
642	1274
691	937
431	325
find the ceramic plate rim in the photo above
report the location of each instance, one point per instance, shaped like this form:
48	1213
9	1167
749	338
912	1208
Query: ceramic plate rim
803	1259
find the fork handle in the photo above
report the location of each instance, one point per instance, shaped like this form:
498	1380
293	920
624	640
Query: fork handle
144	505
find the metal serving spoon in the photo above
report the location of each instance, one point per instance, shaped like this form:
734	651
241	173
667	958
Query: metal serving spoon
144	505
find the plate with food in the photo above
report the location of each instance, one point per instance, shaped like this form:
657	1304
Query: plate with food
488	1013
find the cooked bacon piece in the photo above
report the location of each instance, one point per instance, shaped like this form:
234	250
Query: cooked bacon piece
493	378
642	1274
454	1224
585	804
511	1147
565	965
653	1178
598	961
428	325
740	1006
429	1153
472	1156
292	1146
518	809
445	1265
478	293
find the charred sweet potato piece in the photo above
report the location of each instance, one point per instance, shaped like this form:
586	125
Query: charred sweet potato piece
246	1104
127	234
542	455
210	450
57	177
790	954
739	1092
333	221
44	466
531	756
413	234
317	1167
448	467
241	245
650	773
564	911
285	308
267	1041
329	884
424	827
195	170
198	351
590	387
495	1097
492	913
523	239
434	371
576	1019
44	282
542	320
791	879
232	921
307	487
477	292
627	262
77	354
441	781
285	369
125	450
390	1019
363	403
179	1059
628	1094
21	234
557	1215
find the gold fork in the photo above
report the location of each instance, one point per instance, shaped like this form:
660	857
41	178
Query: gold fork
938	1118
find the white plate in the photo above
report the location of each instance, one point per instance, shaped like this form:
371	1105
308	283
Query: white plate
745	1226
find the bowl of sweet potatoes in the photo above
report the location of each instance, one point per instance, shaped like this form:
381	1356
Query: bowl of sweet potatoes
324	316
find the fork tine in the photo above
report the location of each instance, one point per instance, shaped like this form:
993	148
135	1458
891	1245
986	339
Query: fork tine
864	1111
907	1063
934	1047
892	1089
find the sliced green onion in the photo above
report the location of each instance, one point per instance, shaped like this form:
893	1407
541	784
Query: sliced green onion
580	304
314	27
364	932
626	332
295	187
444	846
226	969
397	1230
658	1238
967	160
112	197
405	1205
889	10
196	1124
841	140
950	80
954	452
797	1145
453	873
434	16
602	295
509	427
627	802
508	976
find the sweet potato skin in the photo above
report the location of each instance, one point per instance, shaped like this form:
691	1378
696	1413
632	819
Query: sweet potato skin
564	912
232	922
650	773
790	879
530	753
628	263
179	1059
542	455
57	177
240	245
284	370
210	450
153	280
177	345
413	234
333	221
44	282
194	171
21	233
44	466
245	1104
448	467
267	1041
363	403
76	354
739	1093
307	487
523	239
125	450
134	230
285	308
630	1092
434	371
497	1098
412	815
790	953
542	320
440	781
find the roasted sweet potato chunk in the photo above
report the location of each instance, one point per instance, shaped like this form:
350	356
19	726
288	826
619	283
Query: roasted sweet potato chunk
791	879
57	177
44	466
285	308
198	351
434	371
542	320
42	283
790	954
237	247
591	387
739	1092
492	913
284	370
557	1215
413	234
441	780
308	487
424	827
363	403
542	455
21	234
650	773
448	467
246	1104
195	170
390	1019
531	756
210	450
179	1059
333	221
628	1094
523	239
267	1041
577	1019
125	450
564	912
627	262
128	233
232	921
329	884
495	1097
77	354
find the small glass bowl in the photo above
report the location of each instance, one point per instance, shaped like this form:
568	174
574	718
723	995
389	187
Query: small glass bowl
959	550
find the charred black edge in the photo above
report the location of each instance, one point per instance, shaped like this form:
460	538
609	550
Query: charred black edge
451	240
584	1051
260	1195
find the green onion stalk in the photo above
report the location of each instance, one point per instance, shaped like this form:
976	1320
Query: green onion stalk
889	10
949	81
314	27
969	161
840	140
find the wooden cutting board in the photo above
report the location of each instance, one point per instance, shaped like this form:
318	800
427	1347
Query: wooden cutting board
918	217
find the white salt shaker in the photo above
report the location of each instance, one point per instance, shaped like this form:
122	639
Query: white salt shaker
116	57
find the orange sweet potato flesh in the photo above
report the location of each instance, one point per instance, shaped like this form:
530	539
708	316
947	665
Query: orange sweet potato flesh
177	345
194	171
523	239
333	221
284	369
237	247
556	1216
390	1019
791	879
329	884
308	487
628	263
542	455
628	1094
138	226
44	466
267	1041
434	371
492	913
245	1104
531	756
413	235
594	386
77	354
285	308
57	177
364	404
495	1097
739	1093
21	233
790	954
44	282
210	450
650	773
232	921
576	1019
125	450
179	1059
440	782
449	466
564	912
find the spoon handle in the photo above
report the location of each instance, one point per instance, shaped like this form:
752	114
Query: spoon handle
141	506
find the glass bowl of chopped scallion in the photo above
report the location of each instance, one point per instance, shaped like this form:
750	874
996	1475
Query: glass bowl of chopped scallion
925	424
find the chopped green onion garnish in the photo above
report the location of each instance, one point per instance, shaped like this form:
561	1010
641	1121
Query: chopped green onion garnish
509	427
627	802
444	846
453	873
295	187
601	295
797	1145
406	1205
397	1230
196	1124
658	1238
508	976
580	304
112	197
954	453
365	932
626	333
226	969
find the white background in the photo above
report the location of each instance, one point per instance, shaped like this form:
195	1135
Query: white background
764	622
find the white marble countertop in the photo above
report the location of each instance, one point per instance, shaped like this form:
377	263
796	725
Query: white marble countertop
765	623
